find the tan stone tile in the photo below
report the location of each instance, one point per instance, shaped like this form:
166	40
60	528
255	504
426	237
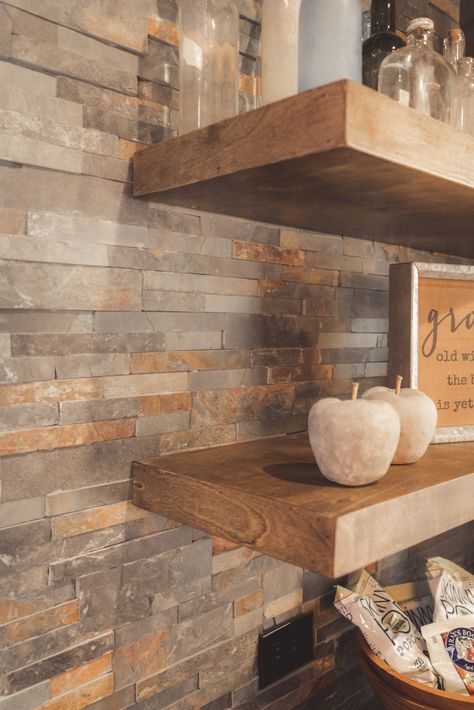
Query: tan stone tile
286	603
95	519
127	149
61	436
78	676
268	253
51	391
181	401
249	603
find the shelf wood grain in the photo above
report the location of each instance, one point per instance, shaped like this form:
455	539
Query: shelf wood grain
341	159
269	495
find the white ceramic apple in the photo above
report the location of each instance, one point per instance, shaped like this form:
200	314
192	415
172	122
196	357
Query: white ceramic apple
418	419
353	441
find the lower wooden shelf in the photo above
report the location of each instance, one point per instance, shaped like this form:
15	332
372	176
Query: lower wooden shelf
269	495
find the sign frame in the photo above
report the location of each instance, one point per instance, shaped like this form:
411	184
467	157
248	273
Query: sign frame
404	325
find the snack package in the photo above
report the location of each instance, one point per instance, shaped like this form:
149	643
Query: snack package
452	588
416	601
386	628
451	648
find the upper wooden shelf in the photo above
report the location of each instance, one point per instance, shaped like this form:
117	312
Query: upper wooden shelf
269	495
341	159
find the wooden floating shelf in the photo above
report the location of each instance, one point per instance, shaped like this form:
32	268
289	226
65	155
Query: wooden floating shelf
341	159
269	495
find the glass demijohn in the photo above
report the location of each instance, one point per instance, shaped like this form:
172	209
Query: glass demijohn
329	42
208	62
279	49
417	76
382	41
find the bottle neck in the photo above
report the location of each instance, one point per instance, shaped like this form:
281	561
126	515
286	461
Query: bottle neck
421	38
382	16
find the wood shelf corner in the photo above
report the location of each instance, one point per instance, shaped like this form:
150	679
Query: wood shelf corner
269	495
340	159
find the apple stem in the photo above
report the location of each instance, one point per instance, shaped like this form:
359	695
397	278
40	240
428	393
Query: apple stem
355	389
398	384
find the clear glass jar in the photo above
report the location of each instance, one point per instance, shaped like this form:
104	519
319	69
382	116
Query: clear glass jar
279	49
329	42
464	96
417	76
208	62
454	46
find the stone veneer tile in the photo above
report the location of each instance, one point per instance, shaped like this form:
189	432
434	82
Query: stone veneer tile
40	623
50	286
263	252
77	676
94	519
60	436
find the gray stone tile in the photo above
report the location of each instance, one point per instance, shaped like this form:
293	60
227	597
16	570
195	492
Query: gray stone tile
69	228
92	365
26	416
160	64
162	423
26	369
82	498
26	285
28	80
41	322
21	511
96	410
27	699
115	339
61	469
23	187
47	56
195	283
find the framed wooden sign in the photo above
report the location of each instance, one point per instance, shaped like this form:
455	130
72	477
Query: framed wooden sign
431	340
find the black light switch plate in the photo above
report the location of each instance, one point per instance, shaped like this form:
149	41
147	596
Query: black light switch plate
284	648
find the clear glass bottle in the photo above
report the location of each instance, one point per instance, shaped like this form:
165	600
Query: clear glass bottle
464	96
454	46
208	62
279	49
382	41
329	42
417	76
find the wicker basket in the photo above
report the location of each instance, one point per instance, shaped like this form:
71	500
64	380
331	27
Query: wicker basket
397	692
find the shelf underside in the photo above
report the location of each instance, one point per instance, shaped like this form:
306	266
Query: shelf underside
340	159
269	495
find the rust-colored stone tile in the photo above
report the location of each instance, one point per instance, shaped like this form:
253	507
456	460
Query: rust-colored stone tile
248	603
159	404
197	438
127	149
299	373
79	676
56	437
287	603
95	519
40	623
52	391
142	658
324	277
221	545
12	222
83	696
185	360
268	253
162	29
